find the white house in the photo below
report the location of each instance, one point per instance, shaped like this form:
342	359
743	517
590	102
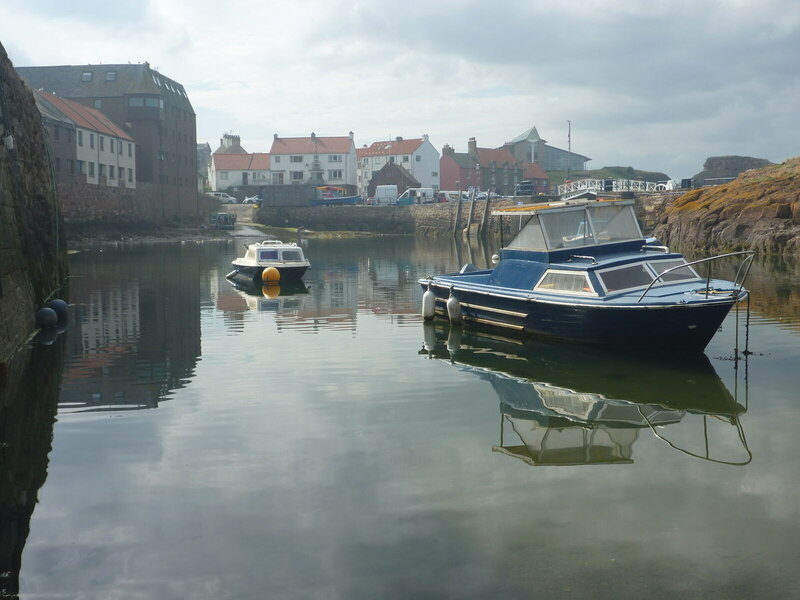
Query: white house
295	160
233	170
106	155
417	156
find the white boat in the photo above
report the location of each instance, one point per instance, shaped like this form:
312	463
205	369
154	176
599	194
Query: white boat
285	258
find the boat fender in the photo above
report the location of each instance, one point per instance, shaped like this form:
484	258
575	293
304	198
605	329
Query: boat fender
453	309
454	340
46	318
429	338
428	304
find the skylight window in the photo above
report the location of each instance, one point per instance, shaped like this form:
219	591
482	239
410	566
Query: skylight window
86	76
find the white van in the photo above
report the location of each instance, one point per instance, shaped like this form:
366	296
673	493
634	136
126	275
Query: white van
416	196
385	194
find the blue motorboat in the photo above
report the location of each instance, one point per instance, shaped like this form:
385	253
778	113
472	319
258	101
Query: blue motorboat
582	271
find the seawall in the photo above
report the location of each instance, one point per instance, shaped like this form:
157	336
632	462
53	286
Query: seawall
32	246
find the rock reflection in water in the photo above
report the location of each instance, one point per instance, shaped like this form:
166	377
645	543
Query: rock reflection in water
574	406
28	397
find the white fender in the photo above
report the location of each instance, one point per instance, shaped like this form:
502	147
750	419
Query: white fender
428	304
454	309
454	340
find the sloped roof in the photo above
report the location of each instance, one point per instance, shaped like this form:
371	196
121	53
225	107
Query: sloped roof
488	155
531	135
67	81
534	171
391	147
258	161
307	145
83	116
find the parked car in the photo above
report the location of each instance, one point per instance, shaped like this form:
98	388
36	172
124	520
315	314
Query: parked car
224	198
251	200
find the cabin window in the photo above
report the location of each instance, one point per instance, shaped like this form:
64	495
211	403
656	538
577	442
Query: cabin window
292	255
684	274
530	237
267	255
567	229
570	282
627	277
614	224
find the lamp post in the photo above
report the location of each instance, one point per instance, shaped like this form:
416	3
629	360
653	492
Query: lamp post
569	146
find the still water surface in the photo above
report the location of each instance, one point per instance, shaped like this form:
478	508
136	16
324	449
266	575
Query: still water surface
215	443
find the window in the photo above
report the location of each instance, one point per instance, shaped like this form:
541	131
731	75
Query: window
98	104
86	76
80	137
334	174
111	144
297	176
80	170
335	158
417	158
223	175
91	141
119	147
69	135
277	179
571	282
135	101
296	159
130	175
111	75
111	172
405	159
130	149
292	255
56	130
91	169
685	274
70	166
277	159
102	143
625	278
101	172
267	255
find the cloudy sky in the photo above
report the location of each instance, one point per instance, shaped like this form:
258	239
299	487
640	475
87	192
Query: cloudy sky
657	85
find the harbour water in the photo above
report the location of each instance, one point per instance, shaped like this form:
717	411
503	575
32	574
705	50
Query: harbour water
206	441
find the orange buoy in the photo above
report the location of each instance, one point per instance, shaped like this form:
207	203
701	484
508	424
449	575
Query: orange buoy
270	275
271	290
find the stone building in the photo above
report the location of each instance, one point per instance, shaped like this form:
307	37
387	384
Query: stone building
153	109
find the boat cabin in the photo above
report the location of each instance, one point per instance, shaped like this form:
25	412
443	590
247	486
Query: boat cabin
592	248
271	251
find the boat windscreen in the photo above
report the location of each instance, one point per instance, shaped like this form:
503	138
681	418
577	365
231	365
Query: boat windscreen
530	236
614	223
267	255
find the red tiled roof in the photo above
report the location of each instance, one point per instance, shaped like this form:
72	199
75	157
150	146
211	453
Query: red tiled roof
85	117
534	171
319	145
392	147
499	156
258	161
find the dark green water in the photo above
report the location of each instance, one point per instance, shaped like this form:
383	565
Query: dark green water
211	443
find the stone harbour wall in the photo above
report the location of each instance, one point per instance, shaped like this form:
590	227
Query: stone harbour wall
32	246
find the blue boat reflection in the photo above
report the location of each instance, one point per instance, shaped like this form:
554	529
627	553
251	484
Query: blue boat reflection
562	405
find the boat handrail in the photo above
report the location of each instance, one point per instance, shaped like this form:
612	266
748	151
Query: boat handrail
647	247
582	257
748	260
274	243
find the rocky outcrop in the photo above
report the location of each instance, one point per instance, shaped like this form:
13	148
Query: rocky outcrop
726	167
759	210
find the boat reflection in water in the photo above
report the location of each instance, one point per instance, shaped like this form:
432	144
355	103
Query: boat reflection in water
287	295
575	406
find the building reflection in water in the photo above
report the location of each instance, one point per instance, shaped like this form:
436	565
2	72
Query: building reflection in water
134	332
567	405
